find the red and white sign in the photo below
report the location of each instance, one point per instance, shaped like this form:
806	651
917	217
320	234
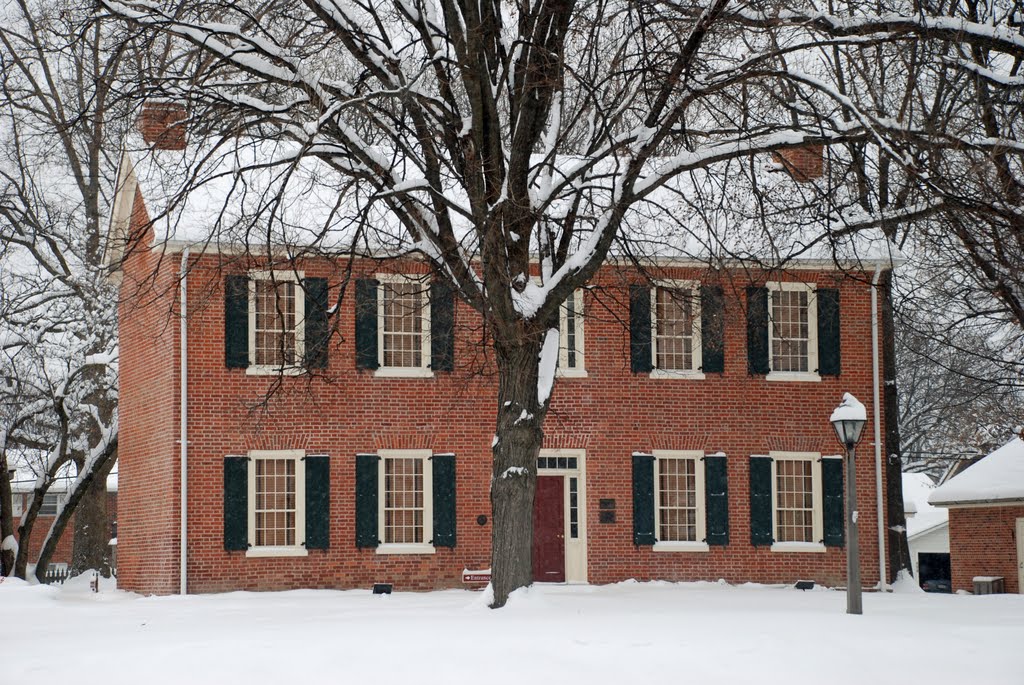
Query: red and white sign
483	576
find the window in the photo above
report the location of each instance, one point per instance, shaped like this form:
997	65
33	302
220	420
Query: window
570	337
792	331
404	501
276	310
796	501
277	521
404	327
675	339
16	504
679	501
50	503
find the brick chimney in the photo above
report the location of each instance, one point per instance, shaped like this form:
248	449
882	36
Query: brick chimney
162	125
804	163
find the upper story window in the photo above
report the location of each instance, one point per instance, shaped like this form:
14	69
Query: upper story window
50	503
275	322
793	331
675	343
403	326
570	336
794	346
276	308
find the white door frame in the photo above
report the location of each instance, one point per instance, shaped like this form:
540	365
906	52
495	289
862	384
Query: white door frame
1020	556
575	548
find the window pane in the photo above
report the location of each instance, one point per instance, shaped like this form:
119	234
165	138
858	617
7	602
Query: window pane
403	324
674	329
794	501
403	501
677	500
275	322
275	502
790	330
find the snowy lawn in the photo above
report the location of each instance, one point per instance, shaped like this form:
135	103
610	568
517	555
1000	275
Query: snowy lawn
628	633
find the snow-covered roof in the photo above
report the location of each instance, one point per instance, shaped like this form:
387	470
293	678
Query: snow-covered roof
921	516
997	478
256	193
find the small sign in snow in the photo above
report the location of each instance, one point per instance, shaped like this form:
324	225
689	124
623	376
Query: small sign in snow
476	576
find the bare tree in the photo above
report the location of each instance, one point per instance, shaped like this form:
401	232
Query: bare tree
58	377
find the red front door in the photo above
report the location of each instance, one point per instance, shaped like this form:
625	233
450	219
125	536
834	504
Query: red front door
549	531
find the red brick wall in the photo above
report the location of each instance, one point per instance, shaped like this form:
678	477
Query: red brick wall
148	420
342	412
62	554
983	542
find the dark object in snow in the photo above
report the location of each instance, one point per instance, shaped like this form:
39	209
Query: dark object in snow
804	585
481	520
937	585
382	588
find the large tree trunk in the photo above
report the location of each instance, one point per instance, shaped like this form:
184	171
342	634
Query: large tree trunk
514	479
896	520
91	548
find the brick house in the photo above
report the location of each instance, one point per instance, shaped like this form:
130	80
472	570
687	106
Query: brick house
986	518
337	441
22	484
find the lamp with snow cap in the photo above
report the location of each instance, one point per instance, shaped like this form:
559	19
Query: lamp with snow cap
848	420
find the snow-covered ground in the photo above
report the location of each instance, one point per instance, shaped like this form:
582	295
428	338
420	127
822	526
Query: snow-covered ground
697	633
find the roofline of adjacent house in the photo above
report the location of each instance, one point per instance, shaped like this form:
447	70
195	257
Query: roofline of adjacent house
972	503
930	529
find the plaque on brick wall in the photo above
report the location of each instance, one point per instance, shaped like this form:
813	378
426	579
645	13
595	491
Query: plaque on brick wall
606	516
606	504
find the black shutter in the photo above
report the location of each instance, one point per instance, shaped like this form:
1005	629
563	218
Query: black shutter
761	501
366	500
442	326
757	330
643	499
318	502
716	499
712	329
640	329
317	332
829	359
236	503
444	499
236	322
832	502
366	323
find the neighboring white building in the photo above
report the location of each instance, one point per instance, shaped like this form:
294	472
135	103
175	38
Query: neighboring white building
927	528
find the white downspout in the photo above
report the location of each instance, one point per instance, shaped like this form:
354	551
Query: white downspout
183	422
876	420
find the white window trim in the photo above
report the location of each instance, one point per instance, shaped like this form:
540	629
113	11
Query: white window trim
563	370
425	547
811	374
817	520
700	544
697	360
278	276
423	371
298	549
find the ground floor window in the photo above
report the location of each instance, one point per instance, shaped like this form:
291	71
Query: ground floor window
405	499
276	501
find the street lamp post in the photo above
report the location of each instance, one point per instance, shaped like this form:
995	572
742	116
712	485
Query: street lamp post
848	420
